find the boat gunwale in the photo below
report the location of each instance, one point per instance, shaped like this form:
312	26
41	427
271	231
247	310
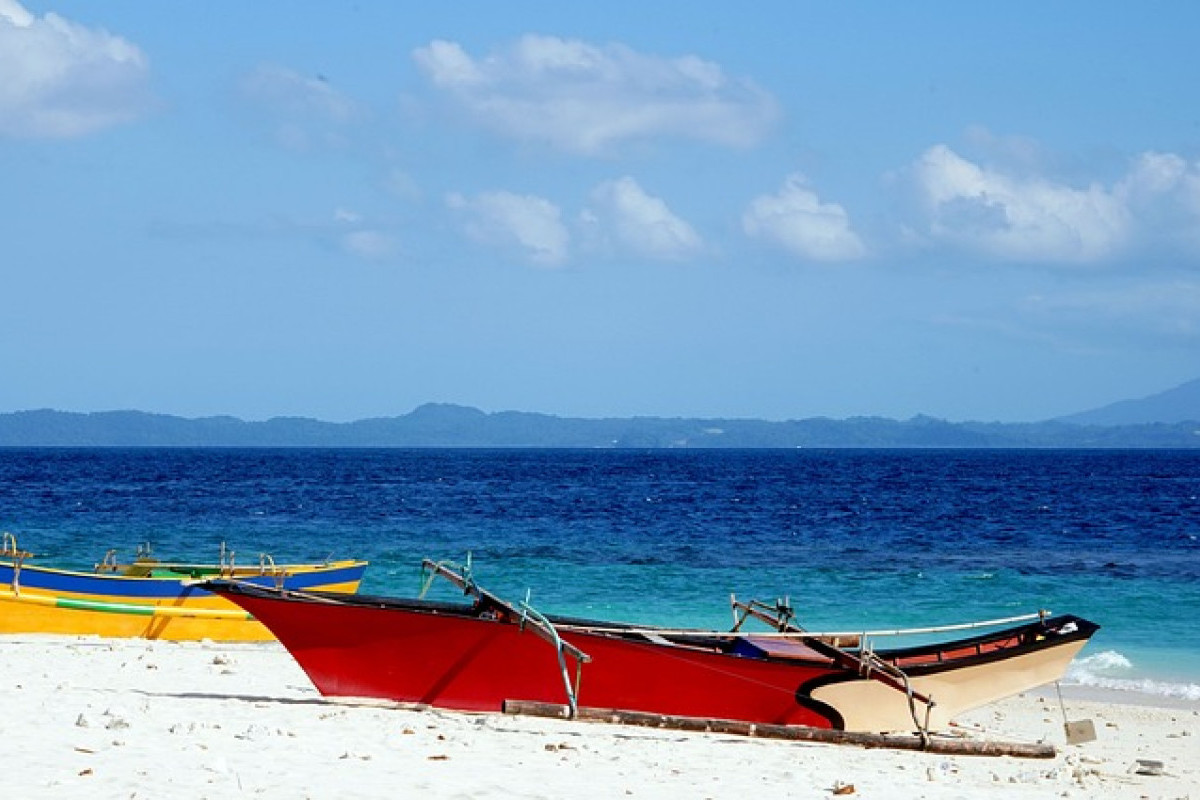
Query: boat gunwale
41	579
719	643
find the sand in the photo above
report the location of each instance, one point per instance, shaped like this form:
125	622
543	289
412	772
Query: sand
97	718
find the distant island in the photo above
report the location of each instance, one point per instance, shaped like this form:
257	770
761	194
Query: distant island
1167	420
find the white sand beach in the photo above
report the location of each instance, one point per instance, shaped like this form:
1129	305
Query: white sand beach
87	717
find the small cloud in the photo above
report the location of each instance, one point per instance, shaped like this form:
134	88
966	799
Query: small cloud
401	184
59	79
1164	312
304	113
345	230
586	98
361	240
638	222
1021	152
796	219
372	245
526	223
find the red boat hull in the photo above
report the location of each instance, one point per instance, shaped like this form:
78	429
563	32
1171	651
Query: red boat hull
452	656
474	664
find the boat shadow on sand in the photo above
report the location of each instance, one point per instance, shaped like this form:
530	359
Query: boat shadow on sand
316	700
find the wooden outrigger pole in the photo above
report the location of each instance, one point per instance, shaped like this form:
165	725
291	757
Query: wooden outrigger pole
795	733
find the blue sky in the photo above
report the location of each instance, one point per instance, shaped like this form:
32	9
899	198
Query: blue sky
782	210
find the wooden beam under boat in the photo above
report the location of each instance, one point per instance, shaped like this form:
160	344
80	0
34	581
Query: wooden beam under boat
797	733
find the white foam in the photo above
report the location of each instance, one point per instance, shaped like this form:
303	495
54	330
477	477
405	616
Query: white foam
1112	670
1105	661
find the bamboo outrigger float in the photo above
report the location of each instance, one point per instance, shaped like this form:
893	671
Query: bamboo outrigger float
479	656
149	598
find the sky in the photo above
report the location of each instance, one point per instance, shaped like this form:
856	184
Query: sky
776	210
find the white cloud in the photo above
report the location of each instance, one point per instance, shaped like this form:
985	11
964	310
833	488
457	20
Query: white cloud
303	112
1162	191
401	184
288	92
1167	311
1030	218
59	79
1155	174
638	222
796	219
1017	218
448	66
372	245
530	224
360	239
1021	152
587	98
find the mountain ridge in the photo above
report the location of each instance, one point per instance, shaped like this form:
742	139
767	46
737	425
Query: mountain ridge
449	425
1180	404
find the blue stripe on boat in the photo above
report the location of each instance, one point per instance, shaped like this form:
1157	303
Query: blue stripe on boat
53	580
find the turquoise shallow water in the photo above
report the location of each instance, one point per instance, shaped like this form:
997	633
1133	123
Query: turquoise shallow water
856	539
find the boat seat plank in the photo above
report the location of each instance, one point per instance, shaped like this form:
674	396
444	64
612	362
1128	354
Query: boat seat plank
760	647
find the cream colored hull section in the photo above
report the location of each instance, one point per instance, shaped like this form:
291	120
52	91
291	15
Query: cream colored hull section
870	706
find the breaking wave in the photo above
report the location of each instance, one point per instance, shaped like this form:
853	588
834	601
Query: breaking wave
1111	670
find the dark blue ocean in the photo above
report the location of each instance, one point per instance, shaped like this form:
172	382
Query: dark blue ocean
856	539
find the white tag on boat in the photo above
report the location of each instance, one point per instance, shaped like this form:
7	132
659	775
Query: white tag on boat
1080	731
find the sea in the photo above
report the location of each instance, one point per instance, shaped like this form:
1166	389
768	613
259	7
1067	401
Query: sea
852	539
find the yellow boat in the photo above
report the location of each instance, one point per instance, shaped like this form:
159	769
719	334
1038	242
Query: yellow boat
149	598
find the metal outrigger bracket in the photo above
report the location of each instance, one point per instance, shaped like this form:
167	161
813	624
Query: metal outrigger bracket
524	615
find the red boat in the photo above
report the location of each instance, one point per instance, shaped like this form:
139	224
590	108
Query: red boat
476	655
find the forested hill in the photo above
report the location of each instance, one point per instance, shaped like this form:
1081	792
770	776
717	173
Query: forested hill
439	425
